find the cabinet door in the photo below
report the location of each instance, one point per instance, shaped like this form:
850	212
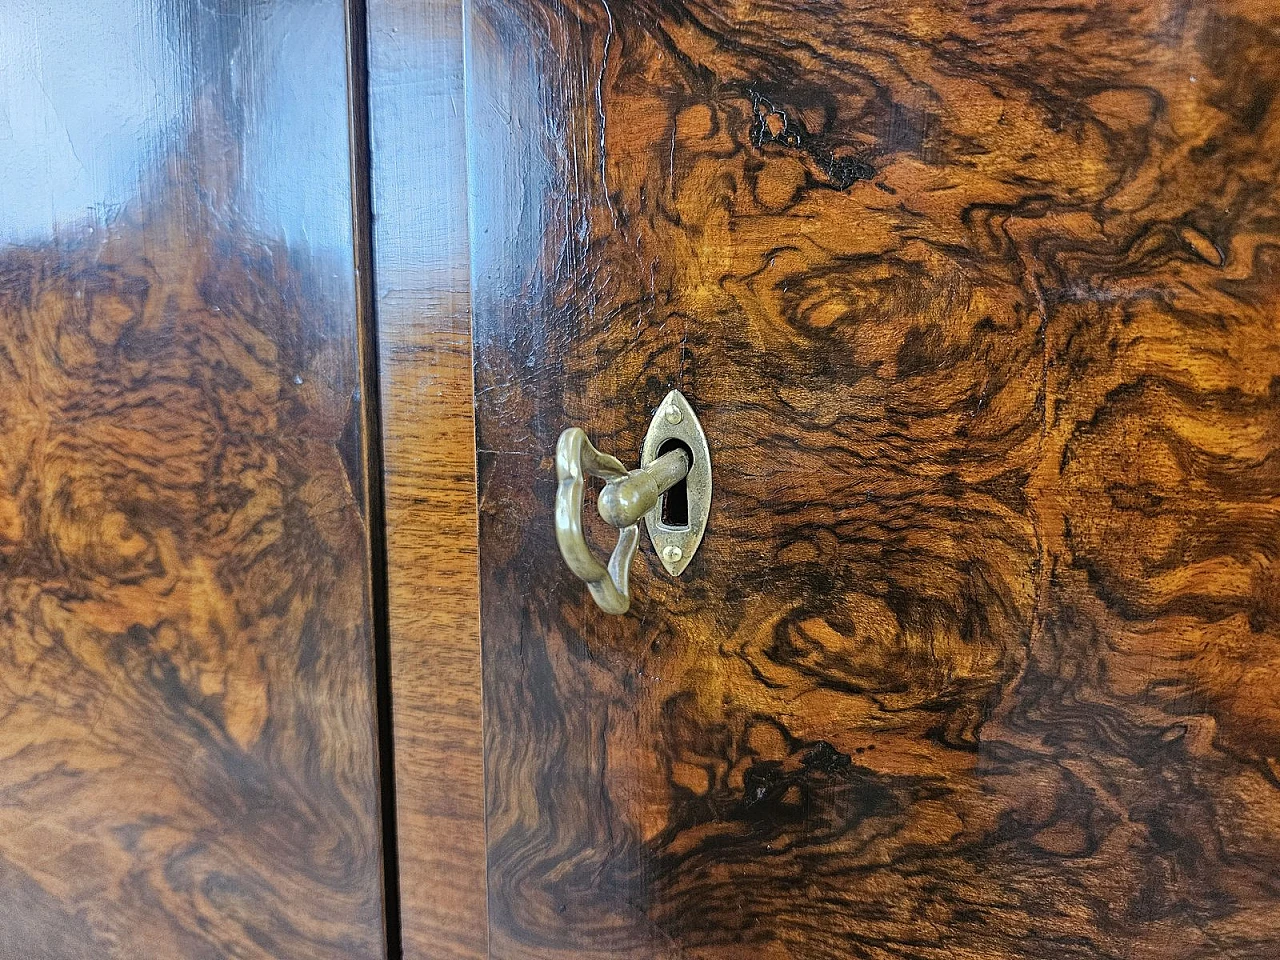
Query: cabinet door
187	723
976	302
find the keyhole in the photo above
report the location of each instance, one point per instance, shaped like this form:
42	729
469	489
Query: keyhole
675	502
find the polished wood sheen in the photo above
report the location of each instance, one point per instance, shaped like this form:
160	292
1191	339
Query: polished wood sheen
422	281
188	765
980	657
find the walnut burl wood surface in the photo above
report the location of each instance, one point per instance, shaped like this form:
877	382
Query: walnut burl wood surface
977	303
187	755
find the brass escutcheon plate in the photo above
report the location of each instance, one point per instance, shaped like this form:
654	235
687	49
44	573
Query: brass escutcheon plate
676	421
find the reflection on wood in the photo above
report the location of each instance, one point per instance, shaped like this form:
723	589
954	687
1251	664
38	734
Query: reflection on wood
977	304
187	755
184	682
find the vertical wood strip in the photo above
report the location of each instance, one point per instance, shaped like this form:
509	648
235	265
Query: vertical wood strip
374	505
422	281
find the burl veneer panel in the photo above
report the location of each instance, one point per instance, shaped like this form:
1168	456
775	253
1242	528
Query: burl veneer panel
188	766
977	303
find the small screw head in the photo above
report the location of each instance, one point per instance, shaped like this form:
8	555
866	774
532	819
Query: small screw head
674	415
672	554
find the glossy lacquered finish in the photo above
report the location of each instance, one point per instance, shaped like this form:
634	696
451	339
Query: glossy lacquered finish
980	655
419	179
188	764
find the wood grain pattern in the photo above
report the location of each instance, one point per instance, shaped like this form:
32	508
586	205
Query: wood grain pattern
188	765
976	302
422	278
